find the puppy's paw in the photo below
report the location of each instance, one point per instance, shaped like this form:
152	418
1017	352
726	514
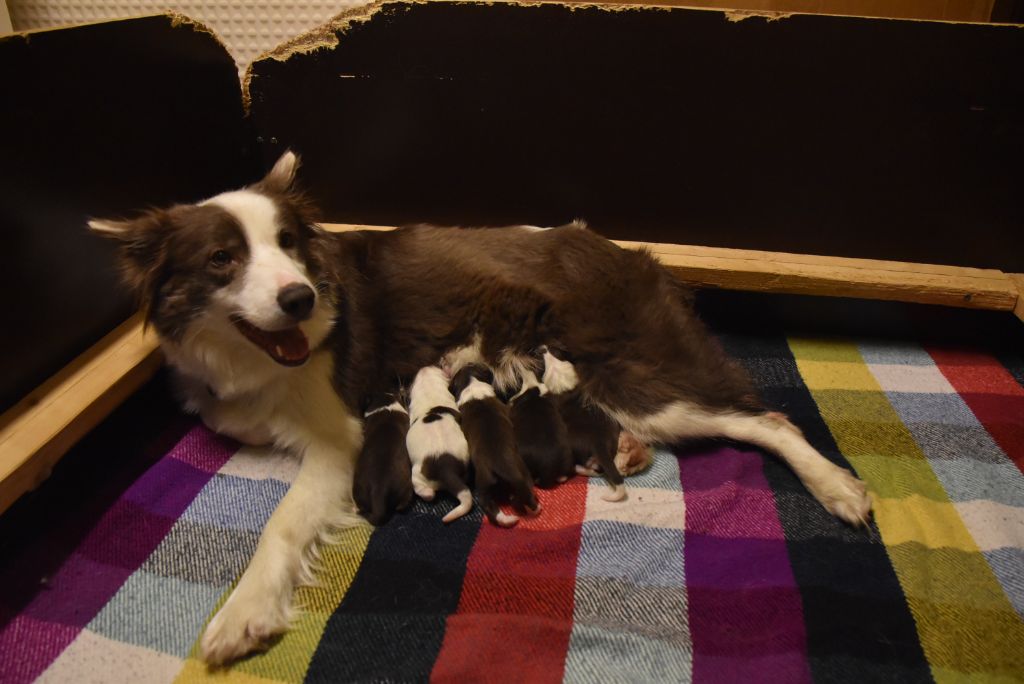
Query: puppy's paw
503	519
615	493
844	496
242	626
633	455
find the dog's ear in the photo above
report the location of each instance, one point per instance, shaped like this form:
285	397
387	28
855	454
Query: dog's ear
460	381
282	177
142	249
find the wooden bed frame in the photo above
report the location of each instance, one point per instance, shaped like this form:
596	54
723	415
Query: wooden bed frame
40	429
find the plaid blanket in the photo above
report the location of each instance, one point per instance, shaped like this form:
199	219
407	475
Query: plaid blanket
719	567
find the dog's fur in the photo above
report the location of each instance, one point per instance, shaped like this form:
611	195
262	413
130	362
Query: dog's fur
437	448
499	474
383	475
593	436
541	437
385	305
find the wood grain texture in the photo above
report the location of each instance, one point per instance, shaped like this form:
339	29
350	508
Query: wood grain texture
1018	280
761	271
37	431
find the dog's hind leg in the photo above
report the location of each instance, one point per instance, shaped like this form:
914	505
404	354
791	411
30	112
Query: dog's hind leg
837	489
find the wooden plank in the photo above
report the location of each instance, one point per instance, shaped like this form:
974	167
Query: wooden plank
761	271
1018	280
39	430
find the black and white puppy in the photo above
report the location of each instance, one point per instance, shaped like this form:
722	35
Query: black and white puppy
383	477
541	437
499	471
593	435
437	448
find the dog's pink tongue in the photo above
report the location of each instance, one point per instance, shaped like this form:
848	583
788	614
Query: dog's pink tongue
287	346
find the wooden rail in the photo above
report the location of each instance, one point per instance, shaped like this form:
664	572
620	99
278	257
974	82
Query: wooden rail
37	431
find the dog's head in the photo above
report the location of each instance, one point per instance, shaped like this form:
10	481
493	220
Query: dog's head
247	266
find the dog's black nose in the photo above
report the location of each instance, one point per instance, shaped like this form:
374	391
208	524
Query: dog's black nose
297	300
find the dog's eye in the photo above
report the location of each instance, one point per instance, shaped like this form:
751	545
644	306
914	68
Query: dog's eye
286	239
220	258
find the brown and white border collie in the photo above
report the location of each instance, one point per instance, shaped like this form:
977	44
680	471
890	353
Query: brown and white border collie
278	332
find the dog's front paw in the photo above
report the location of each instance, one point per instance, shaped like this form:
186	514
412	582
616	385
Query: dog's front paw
844	496
242	626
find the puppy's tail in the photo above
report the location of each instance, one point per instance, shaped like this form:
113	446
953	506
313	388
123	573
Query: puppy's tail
465	506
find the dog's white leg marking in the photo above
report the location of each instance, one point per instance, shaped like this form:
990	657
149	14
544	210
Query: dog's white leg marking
319	501
837	489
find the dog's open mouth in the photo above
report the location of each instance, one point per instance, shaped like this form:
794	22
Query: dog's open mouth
289	347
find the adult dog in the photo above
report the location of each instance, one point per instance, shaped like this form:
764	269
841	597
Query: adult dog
278	331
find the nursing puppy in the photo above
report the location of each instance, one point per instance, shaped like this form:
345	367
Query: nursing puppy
437	448
541	437
278	331
383	476
499	474
593	436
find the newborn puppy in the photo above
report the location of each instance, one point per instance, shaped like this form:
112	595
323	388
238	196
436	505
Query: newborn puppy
541	437
437	447
497	466
383	481
593	435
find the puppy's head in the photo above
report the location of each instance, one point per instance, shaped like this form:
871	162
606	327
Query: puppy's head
246	267
467	374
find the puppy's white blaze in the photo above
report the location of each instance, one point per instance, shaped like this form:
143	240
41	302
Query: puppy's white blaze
615	493
586	472
393	406
530	381
838	490
429	389
475	391
534	229
464	507
559	376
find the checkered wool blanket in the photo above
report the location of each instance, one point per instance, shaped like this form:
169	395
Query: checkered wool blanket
719	567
